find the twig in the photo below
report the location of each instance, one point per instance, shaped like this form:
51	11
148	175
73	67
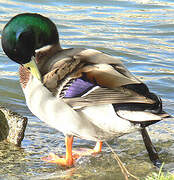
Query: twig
125	172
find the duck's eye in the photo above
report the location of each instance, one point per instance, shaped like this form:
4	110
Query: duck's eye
29	68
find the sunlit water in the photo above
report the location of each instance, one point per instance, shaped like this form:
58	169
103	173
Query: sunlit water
141	32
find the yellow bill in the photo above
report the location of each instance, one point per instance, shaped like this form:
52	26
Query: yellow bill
32	67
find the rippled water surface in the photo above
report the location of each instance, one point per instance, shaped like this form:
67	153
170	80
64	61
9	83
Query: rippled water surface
141	32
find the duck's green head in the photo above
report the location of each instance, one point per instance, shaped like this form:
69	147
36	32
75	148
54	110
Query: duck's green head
25	33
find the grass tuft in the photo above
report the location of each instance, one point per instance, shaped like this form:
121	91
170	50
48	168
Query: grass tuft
161	175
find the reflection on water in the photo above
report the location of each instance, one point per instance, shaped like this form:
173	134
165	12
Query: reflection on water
138	31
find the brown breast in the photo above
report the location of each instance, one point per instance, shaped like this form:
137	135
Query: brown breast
24	75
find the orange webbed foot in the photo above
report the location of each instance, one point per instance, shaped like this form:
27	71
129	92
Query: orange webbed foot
60	160
87	152
71	157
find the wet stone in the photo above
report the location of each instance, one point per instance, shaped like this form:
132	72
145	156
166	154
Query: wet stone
12	126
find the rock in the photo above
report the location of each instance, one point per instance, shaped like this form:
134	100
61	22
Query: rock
12	126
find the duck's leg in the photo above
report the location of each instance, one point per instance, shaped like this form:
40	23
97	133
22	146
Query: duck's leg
70	157
153	154
98	147
68	160
85	151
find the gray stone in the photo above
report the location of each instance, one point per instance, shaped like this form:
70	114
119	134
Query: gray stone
12	126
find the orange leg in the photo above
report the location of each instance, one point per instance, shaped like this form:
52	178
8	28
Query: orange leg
70	157
98	147
86	152
63	161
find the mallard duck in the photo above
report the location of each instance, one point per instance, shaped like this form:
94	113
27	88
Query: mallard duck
80	92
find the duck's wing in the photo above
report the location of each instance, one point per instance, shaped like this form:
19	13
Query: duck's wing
101	95
92	78
106	69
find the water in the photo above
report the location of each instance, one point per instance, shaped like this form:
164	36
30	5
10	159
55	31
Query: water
141	32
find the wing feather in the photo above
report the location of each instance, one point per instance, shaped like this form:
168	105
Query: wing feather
107	96
105	72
